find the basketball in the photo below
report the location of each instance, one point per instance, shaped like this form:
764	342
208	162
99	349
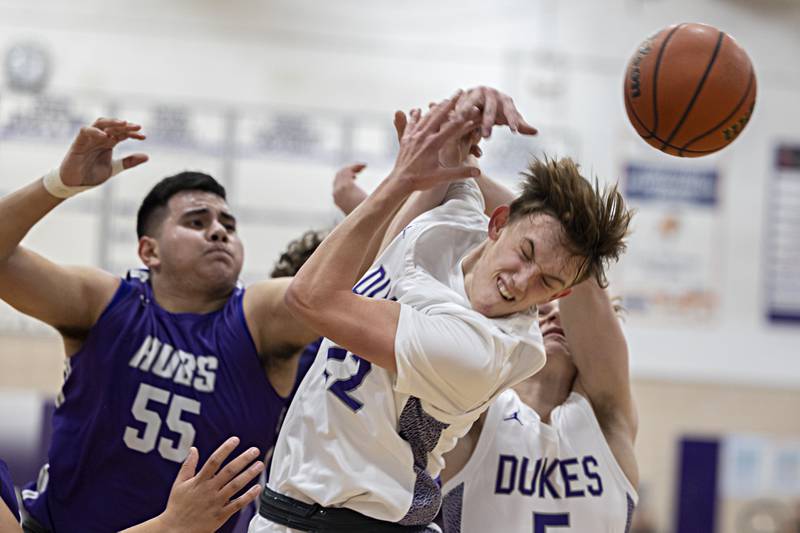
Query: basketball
689	90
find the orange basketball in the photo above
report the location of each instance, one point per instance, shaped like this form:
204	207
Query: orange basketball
689	90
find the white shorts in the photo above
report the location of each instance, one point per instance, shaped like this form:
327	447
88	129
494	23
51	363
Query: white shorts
259	524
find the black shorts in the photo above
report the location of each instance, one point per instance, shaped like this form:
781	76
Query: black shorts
314	518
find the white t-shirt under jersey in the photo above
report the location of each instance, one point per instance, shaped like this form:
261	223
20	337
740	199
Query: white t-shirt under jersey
525	475
361	437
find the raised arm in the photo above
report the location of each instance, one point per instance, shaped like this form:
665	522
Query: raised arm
321	294
68	298
600	353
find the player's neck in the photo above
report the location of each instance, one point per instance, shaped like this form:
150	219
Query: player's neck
468	266
544	392
178	296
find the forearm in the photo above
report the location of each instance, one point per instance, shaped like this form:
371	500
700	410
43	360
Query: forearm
596	340
336	264
20	211
154	525
417	203
494	193
348	198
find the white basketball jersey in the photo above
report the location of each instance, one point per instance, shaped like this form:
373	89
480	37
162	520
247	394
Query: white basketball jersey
527	476
361	437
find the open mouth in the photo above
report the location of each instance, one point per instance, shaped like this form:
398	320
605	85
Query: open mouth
503	290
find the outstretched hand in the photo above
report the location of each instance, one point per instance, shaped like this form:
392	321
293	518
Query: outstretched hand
89	160
202	502
346	192
418	165
497	109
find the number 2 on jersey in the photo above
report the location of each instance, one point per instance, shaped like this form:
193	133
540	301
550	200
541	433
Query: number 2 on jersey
541	521
146	442
342	387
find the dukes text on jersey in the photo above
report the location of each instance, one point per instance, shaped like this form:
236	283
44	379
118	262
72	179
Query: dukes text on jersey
549	477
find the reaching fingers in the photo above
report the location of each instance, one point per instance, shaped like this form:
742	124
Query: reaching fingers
188	467
233	468
400	122
515	121
524	127
456	128
102	123
242	501
240	481
134	160
414	116
127	131
440	113
357	167
489	113
217	458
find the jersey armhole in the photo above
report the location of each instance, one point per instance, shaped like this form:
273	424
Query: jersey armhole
588	410
252	343
123	289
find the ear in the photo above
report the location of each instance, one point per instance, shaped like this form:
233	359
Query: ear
498	221
560	294
148	252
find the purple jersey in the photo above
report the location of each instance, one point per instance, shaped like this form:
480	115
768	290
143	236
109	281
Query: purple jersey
7	490
146	385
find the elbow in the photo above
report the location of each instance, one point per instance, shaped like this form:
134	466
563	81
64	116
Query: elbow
296	299
304	298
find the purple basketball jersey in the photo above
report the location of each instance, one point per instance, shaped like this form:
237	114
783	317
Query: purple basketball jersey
7	490
146	385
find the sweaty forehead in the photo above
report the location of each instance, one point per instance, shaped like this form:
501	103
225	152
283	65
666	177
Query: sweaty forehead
547	234
184	201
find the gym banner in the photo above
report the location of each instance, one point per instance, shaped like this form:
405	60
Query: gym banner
671	271
782	238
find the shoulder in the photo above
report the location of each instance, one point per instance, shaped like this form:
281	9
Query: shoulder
265	295
463	203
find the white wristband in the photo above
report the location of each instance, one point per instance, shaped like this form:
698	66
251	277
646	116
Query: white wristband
53	184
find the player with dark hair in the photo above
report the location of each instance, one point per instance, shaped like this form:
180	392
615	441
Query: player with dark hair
442	323
169	358
297	253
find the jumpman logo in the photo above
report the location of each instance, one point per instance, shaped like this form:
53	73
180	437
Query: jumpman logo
514	416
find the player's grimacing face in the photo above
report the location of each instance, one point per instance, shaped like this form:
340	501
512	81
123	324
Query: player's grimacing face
524	264
198	239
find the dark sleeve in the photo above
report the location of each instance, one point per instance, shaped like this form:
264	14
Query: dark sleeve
7	490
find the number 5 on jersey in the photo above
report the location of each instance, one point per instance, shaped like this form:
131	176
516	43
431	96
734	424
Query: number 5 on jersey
547	522
146	441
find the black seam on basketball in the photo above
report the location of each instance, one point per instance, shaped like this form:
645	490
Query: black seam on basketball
677	148
730	116
638	119
653	131
720	38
